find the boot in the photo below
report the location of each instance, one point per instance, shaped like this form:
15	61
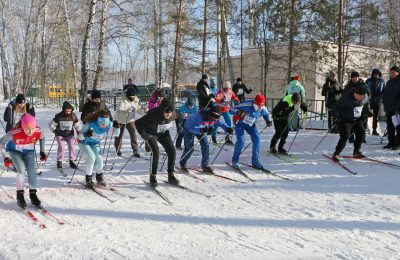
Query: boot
119	153
99	179
228	141
184	168
281	150
374	132
335	157
273	150
59	164
235	165
257	165
172	179
72	165
213	139
34	199
358	154
388	146
136	154
153	180
89	182
207	169
20	199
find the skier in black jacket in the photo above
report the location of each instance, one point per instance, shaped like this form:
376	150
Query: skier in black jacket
93	105
351	110
239	88
331	91
15	109
206	98
153	127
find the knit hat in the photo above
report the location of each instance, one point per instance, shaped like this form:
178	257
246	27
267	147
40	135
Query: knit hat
96	94
360	89
259	100
131	92
297	77
395	68
67	105
239	79
215	112
204	76
20	99
354	74
28	120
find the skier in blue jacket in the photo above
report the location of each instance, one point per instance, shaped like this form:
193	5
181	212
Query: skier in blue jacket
199	125
186	110
246	115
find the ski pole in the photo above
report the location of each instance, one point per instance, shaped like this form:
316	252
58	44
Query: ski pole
112	167
105	143
3	126
51	146
112	133
322	139
295	136
384	133
222	147
76	167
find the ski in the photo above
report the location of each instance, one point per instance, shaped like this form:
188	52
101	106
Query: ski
269	172
159	193
221	176
106	187
50	215
340	164
193	175
240	171
33	218
370	159
98	192
281	157
188	189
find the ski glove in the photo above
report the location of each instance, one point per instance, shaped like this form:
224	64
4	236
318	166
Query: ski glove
88	133
269	123
43	156
116	124
7	162
204	130
229	130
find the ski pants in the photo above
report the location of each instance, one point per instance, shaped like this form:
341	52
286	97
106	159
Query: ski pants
166	142
24	161
228	121
375	111
61	140
281	132
92	157
179	137
189	147
132	133
393	137
240	139
345	130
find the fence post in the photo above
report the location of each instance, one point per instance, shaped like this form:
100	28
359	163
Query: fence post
115	102
322	109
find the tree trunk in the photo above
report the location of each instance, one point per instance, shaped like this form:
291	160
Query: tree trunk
340	43
203	56
177	46
100	59
85	54
42	53
219	56
292	31
4	56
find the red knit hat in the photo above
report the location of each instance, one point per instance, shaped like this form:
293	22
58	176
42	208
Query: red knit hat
297	77
259	100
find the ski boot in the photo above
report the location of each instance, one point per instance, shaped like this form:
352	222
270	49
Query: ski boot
178	147
358	154
257	165
100	179
89	182
136	154
281	150
228	141
184	168
172	179
273	150
72	165
374	132
59	164
119	153
34	199
214	139
20	199
335	157
207	169
153	180
235	165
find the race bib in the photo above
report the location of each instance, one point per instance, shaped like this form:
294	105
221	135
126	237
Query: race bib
249	120
357	111
66	125
186	115
240	91
97	137
22	147
163	128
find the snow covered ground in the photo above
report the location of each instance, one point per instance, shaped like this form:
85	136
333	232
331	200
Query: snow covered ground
324	213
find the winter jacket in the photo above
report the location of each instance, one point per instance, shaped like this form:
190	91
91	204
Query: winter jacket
348	109
154	122
376	87
17	141
186	112
10	116
223	100
204	94
331	90
295	87
91	107
63	124
248	114
239	91
97	135
126	110
201	119
284	107
351	85
391	95
154	100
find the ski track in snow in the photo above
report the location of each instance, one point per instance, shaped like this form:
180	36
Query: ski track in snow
324	213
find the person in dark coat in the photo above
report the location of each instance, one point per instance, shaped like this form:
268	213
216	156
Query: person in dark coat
240	89
391	104
206	98
133	86
15	109
376	86
93	105
332	91
154	127
350	111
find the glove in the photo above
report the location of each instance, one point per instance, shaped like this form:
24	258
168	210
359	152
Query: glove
229	130
250	90
209	130
43	156
269	123
179	129
204	130
88	133
7	162
240	113
116	124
